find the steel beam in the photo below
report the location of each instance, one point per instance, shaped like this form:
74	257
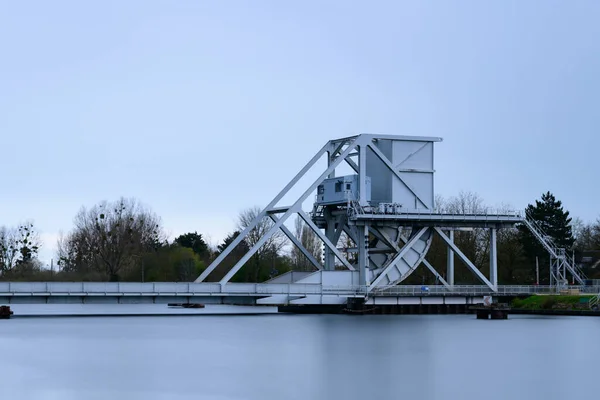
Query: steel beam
363	255
333	235
390	166
298	244
437	274
493	258
262	214
384	237
325	240
329	233
465	259
403	138
352	164
296	207
362	175
450	261
428	265
398	256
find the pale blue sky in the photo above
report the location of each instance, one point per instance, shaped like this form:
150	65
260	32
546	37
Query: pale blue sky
200	109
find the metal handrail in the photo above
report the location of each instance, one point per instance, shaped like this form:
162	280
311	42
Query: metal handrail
555	251
419	211
33	289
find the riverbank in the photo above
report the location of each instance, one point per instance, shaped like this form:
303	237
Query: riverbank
555	312
553	305
552	302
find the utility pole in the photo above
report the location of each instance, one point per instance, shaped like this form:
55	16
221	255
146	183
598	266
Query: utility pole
537	271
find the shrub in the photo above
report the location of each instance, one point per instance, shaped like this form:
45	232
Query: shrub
548	302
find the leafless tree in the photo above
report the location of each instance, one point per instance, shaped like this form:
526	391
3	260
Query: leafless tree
464	203
311	243
596	235
8	249
474	243
584	235
18	247
439	203
110	237
270	249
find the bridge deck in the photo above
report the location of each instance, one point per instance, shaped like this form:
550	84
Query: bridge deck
10	291
446	220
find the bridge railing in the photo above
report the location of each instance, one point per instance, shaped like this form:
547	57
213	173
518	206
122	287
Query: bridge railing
508	290
258	289
168	289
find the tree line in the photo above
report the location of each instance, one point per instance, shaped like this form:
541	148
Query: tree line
125	241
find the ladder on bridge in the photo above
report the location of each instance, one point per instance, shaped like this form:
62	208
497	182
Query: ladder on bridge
560	260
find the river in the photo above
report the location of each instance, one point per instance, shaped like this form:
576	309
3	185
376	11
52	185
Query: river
302	357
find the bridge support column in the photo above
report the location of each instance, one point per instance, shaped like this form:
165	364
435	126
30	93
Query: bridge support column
493	258
330	233
450	261
363	254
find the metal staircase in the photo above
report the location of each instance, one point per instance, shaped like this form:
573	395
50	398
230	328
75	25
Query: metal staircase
560	260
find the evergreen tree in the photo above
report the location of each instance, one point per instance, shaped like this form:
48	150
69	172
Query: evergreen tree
241	248
554	220
193	241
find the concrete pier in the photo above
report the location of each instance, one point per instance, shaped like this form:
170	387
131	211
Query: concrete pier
495	311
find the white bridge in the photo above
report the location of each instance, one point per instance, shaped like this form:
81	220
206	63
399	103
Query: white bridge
252	294
386	209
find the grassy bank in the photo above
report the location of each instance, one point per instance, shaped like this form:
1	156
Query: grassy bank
551	302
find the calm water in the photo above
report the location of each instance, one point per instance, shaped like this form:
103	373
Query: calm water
299	357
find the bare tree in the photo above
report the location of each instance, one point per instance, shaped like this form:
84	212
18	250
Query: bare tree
439	203
595	241
110	237
8	249
270	249
584	235
311	243
18	247
29	243
474	243
465	203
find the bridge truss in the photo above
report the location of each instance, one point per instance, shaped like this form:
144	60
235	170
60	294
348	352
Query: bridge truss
386	208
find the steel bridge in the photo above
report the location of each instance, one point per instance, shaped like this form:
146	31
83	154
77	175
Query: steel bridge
253	294
386	209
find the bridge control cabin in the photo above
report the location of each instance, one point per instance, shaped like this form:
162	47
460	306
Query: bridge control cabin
340	190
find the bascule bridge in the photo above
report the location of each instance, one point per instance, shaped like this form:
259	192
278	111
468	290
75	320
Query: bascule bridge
386	206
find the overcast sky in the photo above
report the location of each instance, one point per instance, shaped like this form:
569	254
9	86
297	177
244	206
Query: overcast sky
202	108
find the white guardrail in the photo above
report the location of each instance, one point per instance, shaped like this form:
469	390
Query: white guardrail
473	290
9	289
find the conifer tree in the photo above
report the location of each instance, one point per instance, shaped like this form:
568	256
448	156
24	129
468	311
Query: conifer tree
555	221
